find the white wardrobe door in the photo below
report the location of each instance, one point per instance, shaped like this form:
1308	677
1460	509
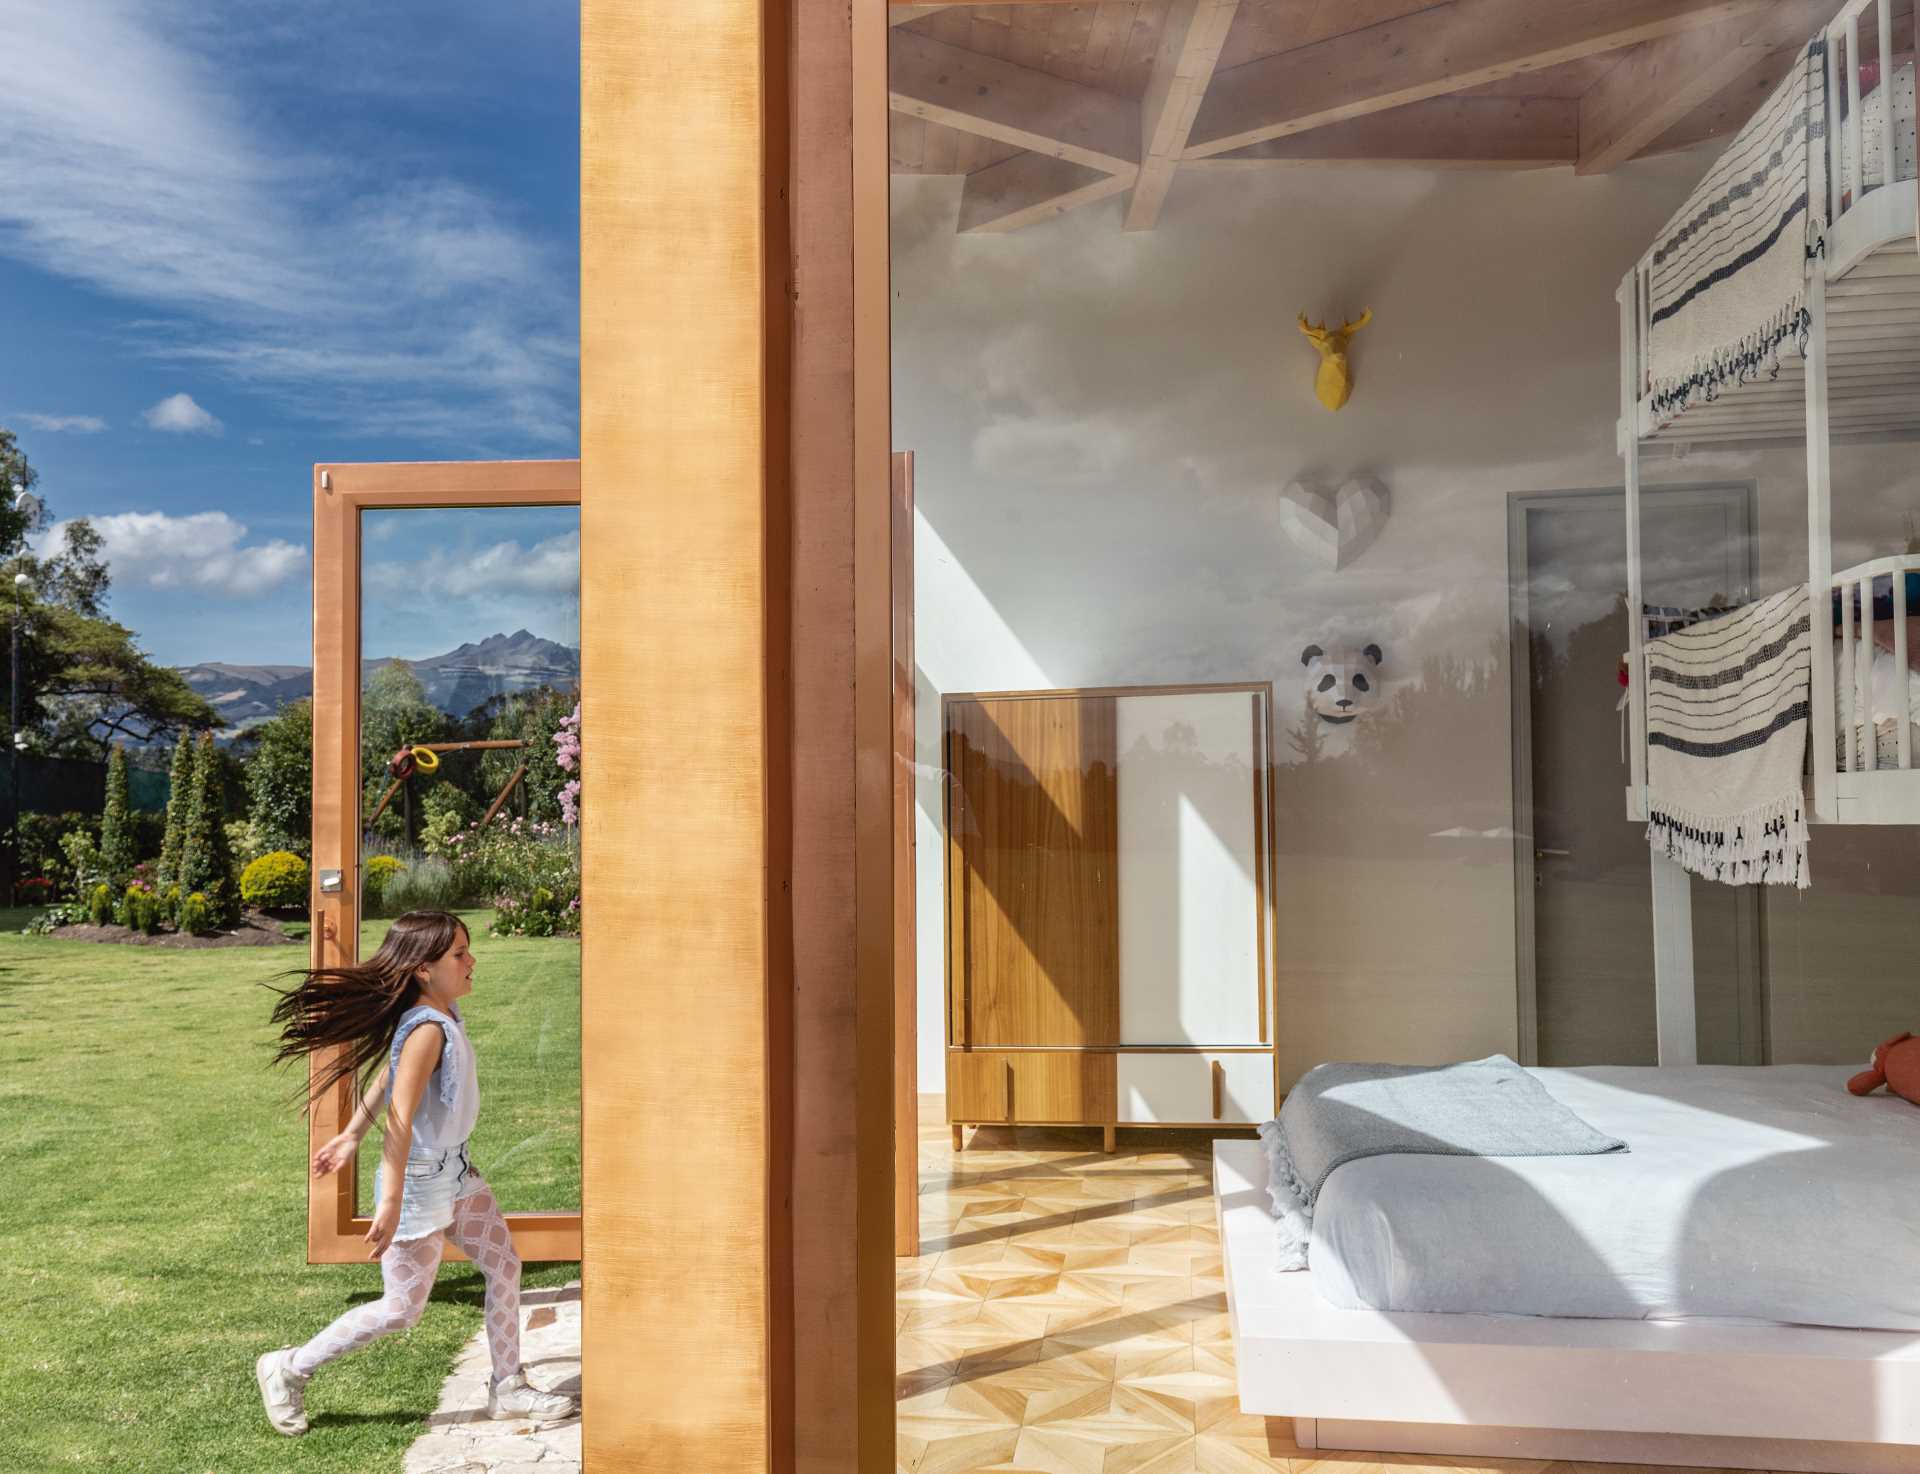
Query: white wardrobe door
1189	892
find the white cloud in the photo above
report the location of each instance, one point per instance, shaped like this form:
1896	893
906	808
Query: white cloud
550	566
203	552
64	424
178	414
1055	449
129	161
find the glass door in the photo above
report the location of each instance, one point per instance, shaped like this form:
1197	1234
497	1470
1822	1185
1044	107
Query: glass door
446	777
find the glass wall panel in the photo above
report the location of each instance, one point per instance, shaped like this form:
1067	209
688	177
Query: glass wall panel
470	687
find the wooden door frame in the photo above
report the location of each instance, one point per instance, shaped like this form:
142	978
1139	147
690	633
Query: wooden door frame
906	996
336	1233
1743	496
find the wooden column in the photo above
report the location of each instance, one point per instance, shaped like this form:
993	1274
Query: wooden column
737	1018
682	1071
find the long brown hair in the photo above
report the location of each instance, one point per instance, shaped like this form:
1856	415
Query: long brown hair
358	1007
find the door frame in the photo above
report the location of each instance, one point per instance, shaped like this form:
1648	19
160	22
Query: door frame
1737	495
336	1233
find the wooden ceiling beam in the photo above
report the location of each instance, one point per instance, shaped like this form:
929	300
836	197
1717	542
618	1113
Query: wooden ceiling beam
1727	111
1029	188
1658	83
1441	133
1190	42
1019	105
1430	53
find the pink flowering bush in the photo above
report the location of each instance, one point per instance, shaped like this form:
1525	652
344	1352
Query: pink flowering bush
528	869
566	745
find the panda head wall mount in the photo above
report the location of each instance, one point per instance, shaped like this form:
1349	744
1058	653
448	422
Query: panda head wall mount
1343	685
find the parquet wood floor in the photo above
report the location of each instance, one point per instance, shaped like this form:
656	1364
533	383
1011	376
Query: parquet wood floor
1067	1315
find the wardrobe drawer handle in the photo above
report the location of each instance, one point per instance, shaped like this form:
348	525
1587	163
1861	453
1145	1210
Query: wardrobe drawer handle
1219	1086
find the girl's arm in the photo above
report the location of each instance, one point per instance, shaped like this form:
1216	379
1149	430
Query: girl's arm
336	1153
418	1056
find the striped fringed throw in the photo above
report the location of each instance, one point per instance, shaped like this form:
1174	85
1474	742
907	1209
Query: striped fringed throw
1728	279
1727	705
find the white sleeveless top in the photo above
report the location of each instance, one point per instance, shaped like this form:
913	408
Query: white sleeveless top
451	1104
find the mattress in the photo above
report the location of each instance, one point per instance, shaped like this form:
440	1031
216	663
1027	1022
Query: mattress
1747	1194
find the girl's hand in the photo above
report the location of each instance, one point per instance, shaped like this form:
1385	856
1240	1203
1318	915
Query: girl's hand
335	1154
380	1232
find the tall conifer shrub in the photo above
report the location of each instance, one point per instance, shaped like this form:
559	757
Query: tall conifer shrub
179	795
206	862
119	849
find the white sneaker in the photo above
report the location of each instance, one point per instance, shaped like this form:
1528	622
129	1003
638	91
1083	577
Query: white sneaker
516	1397
282	1392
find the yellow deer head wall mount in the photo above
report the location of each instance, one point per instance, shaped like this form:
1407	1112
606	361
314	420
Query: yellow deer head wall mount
1333	384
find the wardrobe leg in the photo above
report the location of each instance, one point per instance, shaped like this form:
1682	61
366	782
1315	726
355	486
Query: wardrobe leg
1107	1139
959	1137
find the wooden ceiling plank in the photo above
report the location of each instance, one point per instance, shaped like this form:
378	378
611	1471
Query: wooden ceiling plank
1015	104
1190	42
1032	187
1430	53
900	15
1441	133
1658	83
1107	41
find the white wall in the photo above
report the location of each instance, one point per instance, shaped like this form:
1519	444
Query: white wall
1102	421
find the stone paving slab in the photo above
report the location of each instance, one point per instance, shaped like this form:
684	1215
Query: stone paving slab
462	1439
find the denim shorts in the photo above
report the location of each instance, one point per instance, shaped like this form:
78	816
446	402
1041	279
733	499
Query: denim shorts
434	1182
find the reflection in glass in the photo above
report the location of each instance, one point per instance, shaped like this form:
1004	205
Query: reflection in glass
469	767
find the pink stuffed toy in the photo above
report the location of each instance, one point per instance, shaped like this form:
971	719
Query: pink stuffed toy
1895	1063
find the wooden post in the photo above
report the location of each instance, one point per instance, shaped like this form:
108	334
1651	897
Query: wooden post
906	1041
738	1159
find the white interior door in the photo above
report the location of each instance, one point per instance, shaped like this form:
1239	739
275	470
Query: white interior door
1189	862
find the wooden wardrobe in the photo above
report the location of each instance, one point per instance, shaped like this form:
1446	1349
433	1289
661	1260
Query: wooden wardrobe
1109	910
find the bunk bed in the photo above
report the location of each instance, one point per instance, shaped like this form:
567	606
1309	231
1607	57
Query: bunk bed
1781	304
1812	215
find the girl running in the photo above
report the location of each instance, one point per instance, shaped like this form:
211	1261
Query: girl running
399	1008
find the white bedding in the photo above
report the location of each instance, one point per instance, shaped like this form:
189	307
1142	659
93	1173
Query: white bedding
1747	1193
1873	112
1889	690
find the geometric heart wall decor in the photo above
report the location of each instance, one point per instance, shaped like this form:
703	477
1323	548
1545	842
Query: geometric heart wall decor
1334	530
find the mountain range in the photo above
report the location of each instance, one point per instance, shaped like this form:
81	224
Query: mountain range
457	680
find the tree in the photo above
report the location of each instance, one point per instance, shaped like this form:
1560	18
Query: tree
17	524
206	862
534	717
279	775
179	796
394	713
119	849
84	681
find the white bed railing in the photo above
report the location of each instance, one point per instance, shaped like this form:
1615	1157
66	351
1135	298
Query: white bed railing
1846	167
1862	33
1853	677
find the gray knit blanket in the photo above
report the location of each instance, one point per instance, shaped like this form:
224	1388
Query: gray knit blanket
1728	704
1340	1113
1727	291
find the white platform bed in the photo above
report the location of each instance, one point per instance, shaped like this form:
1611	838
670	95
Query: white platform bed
1677	1392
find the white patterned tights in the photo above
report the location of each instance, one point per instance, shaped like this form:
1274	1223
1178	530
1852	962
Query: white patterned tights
408	1272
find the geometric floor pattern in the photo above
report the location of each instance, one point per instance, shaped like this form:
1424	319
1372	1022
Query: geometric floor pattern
1067	1316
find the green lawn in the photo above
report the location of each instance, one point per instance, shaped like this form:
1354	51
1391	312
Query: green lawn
152	1220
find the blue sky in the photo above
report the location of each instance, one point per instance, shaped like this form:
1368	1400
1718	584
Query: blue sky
236	239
